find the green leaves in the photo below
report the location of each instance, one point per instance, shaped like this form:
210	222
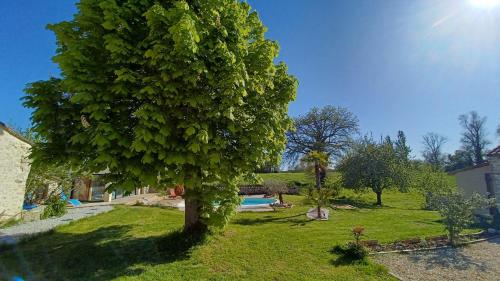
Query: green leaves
371	165
189	132
457	210
184	34
180	92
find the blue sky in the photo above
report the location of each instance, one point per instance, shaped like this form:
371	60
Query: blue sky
410	65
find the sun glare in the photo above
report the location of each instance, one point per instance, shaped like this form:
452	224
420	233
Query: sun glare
485	4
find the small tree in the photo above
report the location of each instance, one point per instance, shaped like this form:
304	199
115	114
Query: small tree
318	165
323	133
370	165
331	188
458	211
320	198
276	187
429	183
402	153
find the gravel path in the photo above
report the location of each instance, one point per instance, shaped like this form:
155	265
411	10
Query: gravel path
480	261
12	234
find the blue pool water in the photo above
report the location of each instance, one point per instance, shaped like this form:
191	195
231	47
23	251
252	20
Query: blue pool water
257	201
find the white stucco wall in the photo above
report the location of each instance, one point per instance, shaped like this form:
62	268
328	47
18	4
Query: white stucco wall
473	180
14	170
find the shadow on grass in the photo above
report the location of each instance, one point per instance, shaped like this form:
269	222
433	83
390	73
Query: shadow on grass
360	204
295	220
103	254
346	261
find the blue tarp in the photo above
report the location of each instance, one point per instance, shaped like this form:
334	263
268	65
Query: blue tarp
75	202
28	207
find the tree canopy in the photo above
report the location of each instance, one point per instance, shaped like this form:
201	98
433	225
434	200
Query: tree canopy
326	130
433	149
371	165
459	160
401	148
474	135
170	92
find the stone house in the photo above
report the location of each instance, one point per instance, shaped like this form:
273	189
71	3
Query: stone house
14	170
94	190
483	178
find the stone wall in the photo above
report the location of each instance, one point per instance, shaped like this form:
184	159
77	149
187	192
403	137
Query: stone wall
14	170
259	189
495	175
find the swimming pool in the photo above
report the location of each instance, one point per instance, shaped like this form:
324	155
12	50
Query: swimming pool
250	201
246	203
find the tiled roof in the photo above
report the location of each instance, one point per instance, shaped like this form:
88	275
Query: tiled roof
495	152
484	164
14	133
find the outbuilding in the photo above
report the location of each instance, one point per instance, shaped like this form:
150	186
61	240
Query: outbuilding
483	178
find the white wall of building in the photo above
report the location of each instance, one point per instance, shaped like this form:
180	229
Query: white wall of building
14	170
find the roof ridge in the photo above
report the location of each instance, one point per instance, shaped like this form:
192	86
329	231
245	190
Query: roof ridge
15	133
495	151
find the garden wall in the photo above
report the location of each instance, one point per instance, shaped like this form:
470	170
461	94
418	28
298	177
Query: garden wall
259	189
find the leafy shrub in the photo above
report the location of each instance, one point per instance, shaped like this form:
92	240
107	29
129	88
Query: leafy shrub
355	251
334	184
319	198
276	187
431	183
55	207
351	251
458	211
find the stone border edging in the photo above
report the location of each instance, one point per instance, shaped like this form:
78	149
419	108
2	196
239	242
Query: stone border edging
395	275
434	248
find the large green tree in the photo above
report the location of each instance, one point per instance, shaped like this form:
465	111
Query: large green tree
166	92
321	135
372	165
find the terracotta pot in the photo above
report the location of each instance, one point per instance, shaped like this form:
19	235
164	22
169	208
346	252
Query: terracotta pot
179	190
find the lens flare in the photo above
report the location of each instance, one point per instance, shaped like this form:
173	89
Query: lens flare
485	4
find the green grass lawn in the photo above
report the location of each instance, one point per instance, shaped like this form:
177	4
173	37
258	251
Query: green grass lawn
133	243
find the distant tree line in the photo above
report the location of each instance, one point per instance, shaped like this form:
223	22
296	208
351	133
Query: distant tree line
474	145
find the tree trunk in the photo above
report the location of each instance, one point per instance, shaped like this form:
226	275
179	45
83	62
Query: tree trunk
379	198
192	219
317	174
280	196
